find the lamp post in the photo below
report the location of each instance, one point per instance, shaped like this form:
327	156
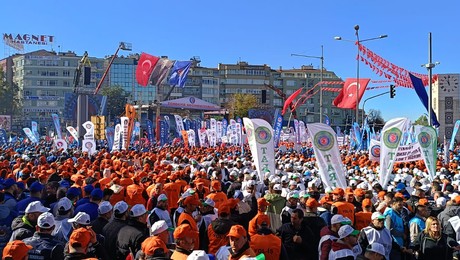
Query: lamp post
364	103
358	41
321	80
429	66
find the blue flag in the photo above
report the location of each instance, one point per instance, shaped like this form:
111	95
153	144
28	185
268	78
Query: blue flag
179	73
423	96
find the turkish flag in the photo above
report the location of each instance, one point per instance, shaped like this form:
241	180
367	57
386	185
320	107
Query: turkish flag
347	97
289	100
144	68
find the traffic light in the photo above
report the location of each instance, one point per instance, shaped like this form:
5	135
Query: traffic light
392	91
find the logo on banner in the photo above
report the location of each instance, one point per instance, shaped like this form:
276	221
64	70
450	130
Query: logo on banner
392	137
89	145
59	144
280	119
424	139
192	100
324	140
375	150
263	135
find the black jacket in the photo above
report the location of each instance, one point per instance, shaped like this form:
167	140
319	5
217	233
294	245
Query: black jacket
315	223
303	250
130	238
110	232
45	246
21	229
430	248
98	224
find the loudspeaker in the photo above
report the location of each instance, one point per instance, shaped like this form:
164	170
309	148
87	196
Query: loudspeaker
264	96
87	76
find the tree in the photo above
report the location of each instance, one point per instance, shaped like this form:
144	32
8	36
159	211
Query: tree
241	103
9	95
116	100
375	119
422	120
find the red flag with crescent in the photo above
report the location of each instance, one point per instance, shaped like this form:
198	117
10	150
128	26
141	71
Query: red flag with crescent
144	68
289	100
347	97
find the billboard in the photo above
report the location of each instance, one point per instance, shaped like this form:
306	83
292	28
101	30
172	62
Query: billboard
36	39
5	122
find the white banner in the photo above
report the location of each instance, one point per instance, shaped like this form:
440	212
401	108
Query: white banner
390	140
89	146
124	131
212	137
179	124
60	143
327	154
30	135
406	153
89	127
73	132
202	137
427	138
260	138
191	137
116	138
219	131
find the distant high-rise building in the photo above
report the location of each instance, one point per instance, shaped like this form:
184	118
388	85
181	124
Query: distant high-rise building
446	103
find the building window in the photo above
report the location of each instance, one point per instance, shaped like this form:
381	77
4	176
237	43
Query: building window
66	73
449	103
449	117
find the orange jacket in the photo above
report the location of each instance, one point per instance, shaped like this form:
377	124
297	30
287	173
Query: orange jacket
186	218
362	219
172	191
216	241
252	228
269	245
134	195
345	209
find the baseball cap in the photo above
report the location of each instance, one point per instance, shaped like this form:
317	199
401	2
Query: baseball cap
277	187
162	197
338	219
377	215
153	246
338	191
441	201
88	189
237	231
184	230
215	184
347	230
198	255
97	193
81	218
293	194
160	226
191	200
16	249
36	206
209	202
80	236
423	202
137	210
400	187
64	204
377	248
45	220
8	183
224	208
366	203
120	207
312	203
36	187
104	207
262	202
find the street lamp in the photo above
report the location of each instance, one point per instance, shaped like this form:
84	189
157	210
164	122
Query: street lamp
358	41
364	103
429	66
321	80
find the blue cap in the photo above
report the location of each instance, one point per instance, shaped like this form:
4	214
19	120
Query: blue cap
238	195
36	186
8	183
21	185
400	187
73	191
88	188
64	183
97	193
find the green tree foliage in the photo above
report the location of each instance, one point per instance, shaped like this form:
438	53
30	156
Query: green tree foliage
241	103
116	100
422	120
375	119
9	95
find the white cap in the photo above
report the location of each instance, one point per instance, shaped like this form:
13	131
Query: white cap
209	202
377	215
377	248
277	187
120	207
292	183
81	218
198	255
64	204
45	220
104	207
441	201
137	210
36	206
347	230
162	197
337	218
158	227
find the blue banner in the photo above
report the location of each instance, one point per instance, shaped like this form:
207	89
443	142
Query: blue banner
224	127
166	129
150	135
163	133
3	137
327	121
358	136
454	133
57	125
417	83
34	129
208	124
187	123
277	129
109	135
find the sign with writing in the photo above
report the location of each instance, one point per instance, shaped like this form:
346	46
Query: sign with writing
37	39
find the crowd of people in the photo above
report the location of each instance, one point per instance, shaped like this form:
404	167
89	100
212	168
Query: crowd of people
209	203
